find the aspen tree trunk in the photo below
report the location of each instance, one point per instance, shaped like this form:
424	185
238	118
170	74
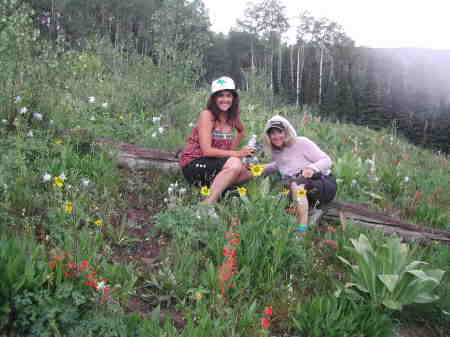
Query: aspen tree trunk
300	64
292	73
321	74
280	62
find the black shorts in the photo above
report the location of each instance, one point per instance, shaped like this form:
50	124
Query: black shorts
321	189
202	171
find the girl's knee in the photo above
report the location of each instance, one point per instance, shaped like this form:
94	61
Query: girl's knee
234	164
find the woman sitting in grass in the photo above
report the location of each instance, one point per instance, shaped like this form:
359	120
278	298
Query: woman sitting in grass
210	157
304	167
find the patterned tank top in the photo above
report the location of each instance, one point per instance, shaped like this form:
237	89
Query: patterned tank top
220	140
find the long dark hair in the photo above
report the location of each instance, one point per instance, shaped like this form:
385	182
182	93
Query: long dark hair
232	112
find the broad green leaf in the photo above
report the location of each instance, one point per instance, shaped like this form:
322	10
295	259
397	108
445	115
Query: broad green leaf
390	281
391	304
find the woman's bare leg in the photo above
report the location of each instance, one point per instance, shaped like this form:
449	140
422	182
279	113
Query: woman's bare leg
228	176
301	204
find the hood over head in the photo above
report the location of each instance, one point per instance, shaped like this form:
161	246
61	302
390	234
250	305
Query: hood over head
280	123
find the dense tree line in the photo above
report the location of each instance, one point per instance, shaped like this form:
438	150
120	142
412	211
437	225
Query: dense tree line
375	87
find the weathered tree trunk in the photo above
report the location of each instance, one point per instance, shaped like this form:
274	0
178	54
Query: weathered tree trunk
361	216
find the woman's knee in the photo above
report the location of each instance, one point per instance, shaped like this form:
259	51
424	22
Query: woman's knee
234	163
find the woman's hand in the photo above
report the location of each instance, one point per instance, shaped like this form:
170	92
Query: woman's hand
245	151
307	172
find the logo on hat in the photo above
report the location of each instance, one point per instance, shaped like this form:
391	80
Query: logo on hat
223	83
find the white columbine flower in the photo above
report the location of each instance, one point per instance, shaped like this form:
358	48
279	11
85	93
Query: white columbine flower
85	182
182	191
160	129
191	125
104	105
30	133
101	285
37	116
4	121
62	176
46	177
354	182
156	119
24	110
51	121
154	134
92	118
18	99
91	99
406	179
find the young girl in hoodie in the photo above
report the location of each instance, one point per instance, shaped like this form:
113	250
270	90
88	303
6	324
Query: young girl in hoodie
305	169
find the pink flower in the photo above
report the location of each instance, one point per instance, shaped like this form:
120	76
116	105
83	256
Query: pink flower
268	311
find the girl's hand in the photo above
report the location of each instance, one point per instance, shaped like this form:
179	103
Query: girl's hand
307	172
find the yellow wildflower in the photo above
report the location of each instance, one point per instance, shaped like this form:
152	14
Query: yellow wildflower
58	181
58	141
301	193
242	191
121	117
68	207
198	296
205	191
285	191
98	222
257	170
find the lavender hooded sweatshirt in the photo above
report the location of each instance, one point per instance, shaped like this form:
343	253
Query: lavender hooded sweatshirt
300	154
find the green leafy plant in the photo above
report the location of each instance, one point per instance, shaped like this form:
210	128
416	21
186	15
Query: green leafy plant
388	276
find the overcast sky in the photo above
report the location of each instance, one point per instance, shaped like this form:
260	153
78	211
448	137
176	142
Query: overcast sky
378	24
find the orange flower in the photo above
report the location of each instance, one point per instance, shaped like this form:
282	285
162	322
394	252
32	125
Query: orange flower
331	243
91	284
268	311
265	322
229	252
52	264
235	242
332	229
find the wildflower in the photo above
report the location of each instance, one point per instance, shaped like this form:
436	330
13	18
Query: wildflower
285	191
301	193
265	322
98	223
104	105
68	207
198	296
257	169
235	241
332	229
85	182
268	311
406	179
58	182
4	121
30	133
160	129
62	176
23	110
92	119
182	191
121	117
37	116
101	285
191	125
91	284
17	99
51	121
205	191
46	177
229	252
242	191
154	134
156	119
331	243
58	141
354	182
52	264
91	99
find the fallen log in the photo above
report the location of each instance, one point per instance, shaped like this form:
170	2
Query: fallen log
361	216
135	157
